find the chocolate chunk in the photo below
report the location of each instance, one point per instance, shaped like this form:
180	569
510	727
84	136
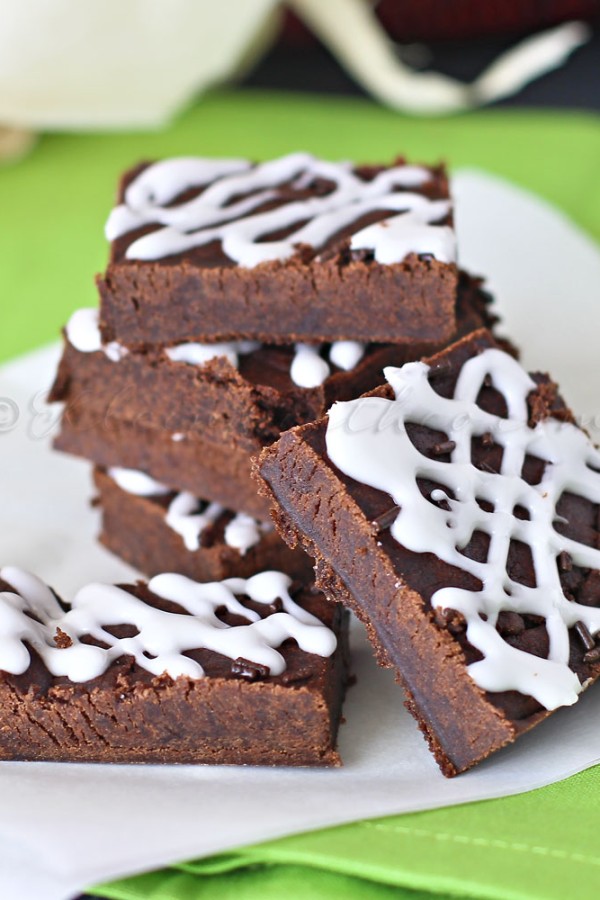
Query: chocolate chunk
532	640
443	448
565	563
510	622
584	635
592	656
385	519
451	619
300	676
532	621
590	589
275	607
251	671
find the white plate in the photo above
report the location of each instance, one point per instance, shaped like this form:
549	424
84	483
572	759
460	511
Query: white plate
63	827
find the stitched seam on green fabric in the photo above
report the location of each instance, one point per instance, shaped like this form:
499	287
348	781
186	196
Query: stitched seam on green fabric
118	891
494	843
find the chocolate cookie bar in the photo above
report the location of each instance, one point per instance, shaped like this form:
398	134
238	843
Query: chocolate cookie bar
456	510
222	472
159	530
294	249
173	671
243	392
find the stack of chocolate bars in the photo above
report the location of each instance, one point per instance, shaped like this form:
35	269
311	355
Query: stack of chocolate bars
243	302
237	304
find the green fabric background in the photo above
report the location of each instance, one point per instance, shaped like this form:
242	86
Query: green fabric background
545	844
54	203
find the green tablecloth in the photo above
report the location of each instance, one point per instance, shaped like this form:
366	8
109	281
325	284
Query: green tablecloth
53	203
544	844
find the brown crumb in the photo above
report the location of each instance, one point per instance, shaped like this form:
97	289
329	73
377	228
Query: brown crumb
62	639
451	619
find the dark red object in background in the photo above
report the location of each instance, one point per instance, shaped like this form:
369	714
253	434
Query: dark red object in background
458	19
434	20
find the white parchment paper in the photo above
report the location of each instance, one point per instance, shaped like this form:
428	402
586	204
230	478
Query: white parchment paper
64	827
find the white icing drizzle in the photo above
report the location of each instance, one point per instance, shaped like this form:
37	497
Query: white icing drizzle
83	332
346	354
214	215
244	532
309	369
165	636
393	239
185	519
189	517
367	440
199	354
38	596
136	482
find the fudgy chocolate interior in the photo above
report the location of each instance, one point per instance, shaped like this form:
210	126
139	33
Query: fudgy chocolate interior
257	402
270	365
211	255
426	574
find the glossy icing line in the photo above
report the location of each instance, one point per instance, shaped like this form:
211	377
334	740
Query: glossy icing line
163	638
243	532
138	483
368	441
309	369
83	332
195	354
217	214
189	517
